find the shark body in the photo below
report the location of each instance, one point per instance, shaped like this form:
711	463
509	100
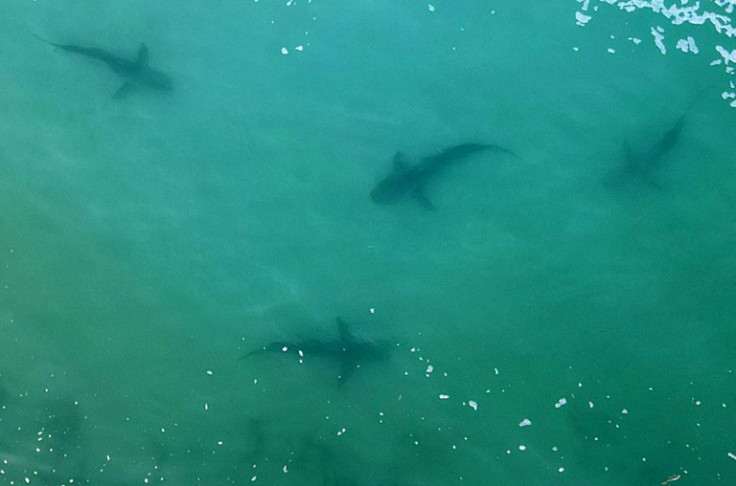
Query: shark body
137	73
407	180
642	167
347	350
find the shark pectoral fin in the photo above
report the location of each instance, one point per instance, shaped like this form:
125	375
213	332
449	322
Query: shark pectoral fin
142	60
347	368
123	91
628	152
399	162
419	195
651	182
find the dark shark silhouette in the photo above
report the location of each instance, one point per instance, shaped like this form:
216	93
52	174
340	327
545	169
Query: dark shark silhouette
136	73
411	181
349	351
642	167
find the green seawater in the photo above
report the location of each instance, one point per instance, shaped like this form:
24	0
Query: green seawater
148	244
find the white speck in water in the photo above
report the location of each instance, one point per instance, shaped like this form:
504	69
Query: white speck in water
525	423
473	404
444	397
658	38
284	51
728	56
430	368
691	46
209	372
206	406
522	447
591	404
581	19
431	7
560	402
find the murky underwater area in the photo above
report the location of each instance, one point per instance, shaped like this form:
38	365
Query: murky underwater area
310	243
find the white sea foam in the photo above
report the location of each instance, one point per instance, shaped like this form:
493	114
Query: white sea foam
700	16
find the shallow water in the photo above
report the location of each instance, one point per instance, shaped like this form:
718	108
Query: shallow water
148	243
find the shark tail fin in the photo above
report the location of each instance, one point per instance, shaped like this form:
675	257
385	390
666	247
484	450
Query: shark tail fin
498	148
47	41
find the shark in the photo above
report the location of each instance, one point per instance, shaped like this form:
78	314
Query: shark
137	73
349	351
406	180
643	167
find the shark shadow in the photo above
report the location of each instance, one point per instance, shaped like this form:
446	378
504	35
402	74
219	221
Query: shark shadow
348	351
411	181
644	167
137	73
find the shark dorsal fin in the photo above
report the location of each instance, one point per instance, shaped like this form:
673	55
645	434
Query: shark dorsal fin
142	60
399	162
344	332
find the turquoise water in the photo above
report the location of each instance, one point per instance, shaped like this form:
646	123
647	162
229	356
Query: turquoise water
148	243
